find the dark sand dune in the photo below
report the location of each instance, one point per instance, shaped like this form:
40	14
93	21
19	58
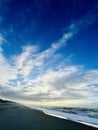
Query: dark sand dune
17	117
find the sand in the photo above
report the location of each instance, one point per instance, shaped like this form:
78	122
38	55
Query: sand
17	117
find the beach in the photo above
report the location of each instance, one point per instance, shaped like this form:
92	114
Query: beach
14	116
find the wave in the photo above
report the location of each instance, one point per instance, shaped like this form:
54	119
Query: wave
77	117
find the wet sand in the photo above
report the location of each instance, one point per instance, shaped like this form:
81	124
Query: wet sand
18	117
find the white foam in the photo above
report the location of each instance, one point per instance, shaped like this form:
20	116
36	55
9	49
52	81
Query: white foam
89	124
55	115
74	117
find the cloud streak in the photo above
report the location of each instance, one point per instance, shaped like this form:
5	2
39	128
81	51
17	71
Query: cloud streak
86	21
35	75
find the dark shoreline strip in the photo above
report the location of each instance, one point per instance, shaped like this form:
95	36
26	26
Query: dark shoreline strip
17	117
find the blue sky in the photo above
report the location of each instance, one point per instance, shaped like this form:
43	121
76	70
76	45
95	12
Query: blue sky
49	52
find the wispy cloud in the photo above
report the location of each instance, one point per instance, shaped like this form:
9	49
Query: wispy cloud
86	21
2	40
42	76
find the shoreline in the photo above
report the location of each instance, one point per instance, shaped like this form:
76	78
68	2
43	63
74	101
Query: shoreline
20	117
88	124
46	111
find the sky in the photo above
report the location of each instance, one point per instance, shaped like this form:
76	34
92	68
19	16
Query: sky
49	52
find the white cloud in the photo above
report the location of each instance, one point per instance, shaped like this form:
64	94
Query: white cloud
63	83
2	40
36	75
24	62
7	72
